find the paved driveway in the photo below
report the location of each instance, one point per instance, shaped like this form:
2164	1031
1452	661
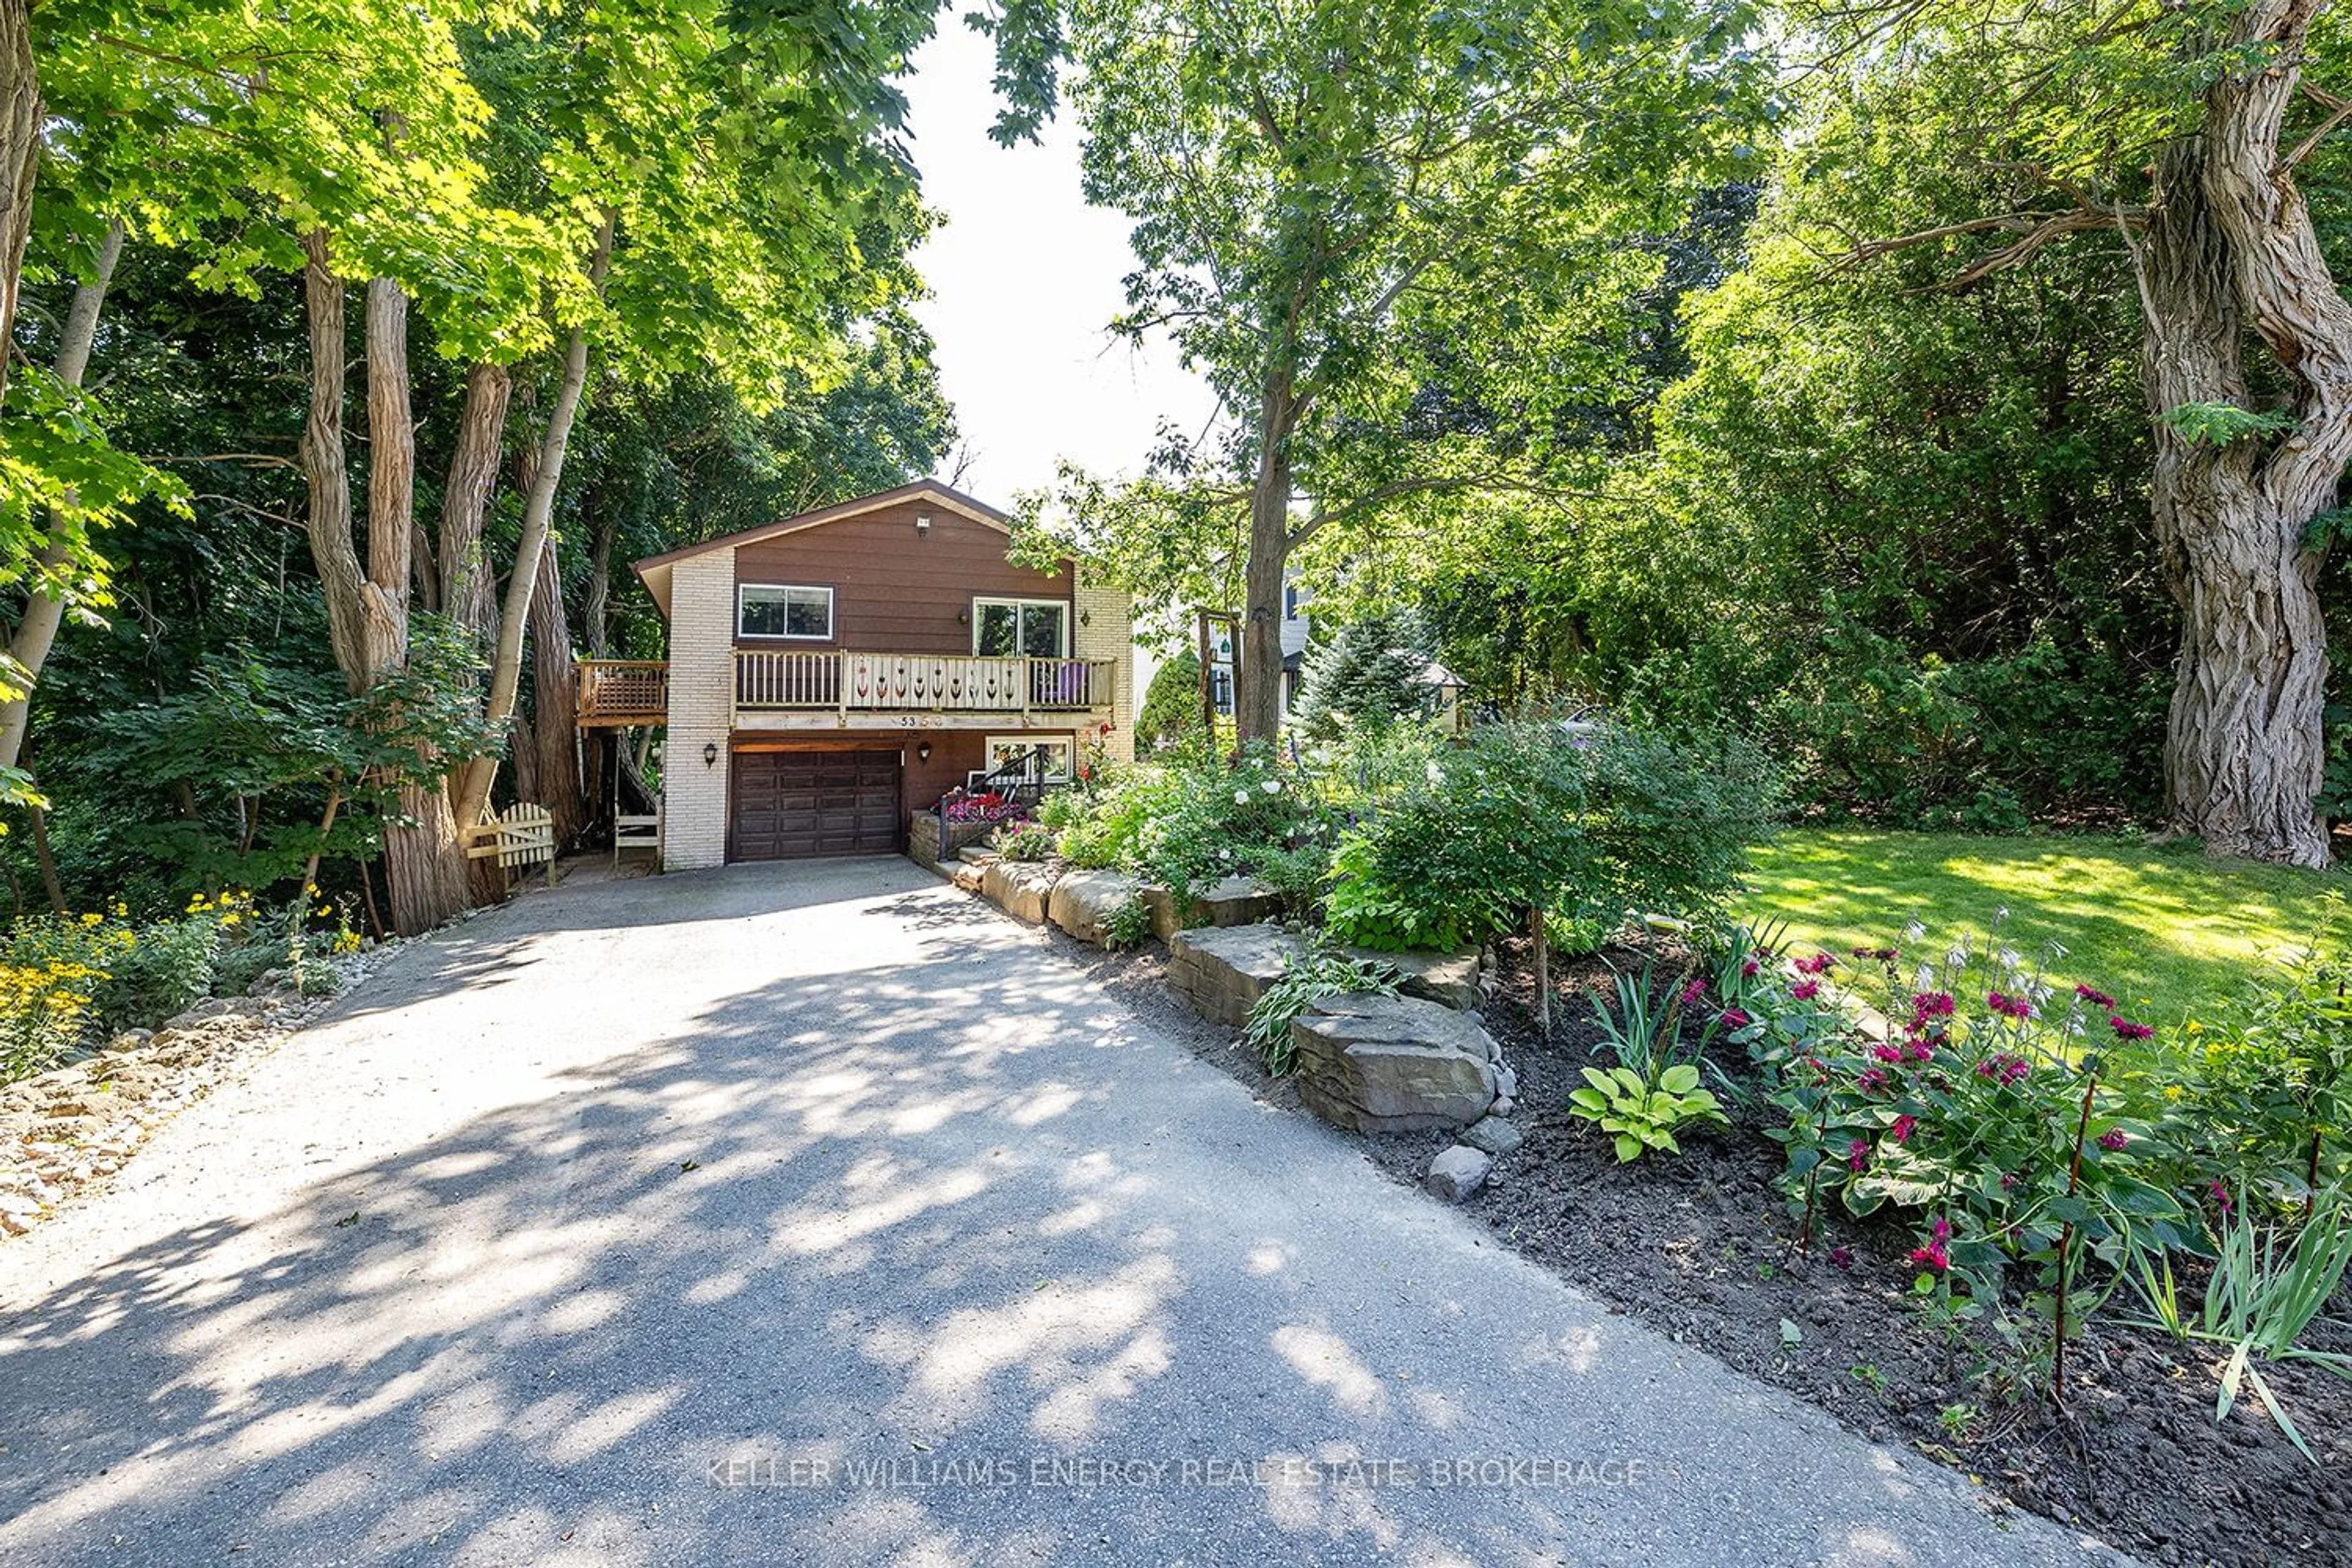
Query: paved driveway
817	1213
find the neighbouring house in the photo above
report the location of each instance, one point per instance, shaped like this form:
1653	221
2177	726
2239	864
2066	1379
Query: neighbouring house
832	675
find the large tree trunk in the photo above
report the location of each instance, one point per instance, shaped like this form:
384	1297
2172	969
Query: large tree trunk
1257	684
327	518
37	632
20	161
538	516
424	860
2230	249
555	704
596	605
468	593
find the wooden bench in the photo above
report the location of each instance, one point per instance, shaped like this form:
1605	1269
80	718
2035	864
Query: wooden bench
637	832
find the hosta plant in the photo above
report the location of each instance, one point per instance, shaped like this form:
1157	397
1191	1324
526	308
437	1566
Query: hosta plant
1641	1114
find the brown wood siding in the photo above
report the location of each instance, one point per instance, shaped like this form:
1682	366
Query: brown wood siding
895	590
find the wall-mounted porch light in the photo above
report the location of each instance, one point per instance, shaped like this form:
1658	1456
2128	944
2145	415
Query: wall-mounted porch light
923	524
923	750
709	753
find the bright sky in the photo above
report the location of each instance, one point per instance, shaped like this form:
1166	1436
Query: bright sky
1025	278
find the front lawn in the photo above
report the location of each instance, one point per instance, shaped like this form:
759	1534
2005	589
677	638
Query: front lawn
2161	927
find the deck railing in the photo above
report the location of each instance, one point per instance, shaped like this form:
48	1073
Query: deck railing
615	691
623	691
790	679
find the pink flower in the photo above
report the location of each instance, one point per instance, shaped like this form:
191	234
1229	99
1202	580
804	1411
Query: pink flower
1819	963
1920	1050
2112	1138
1857	1155
1872	1080
2095	998
1903	1129
1694	991
2008	1006
2017	1069
2221	1194
1751	969
1805	990
2127	1030
1931	1004
1841	1256
1733	1018
1931	1257
1886	1053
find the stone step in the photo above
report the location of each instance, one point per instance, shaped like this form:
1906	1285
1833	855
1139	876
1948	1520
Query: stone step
974	855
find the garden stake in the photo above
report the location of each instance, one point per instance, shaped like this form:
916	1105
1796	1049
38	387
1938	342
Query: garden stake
2066	1236
1542	941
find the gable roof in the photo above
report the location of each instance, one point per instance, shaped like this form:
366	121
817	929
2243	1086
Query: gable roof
653	571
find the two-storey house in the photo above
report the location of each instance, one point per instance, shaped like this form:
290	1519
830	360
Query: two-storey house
832	674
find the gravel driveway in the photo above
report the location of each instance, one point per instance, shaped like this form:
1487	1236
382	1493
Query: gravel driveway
818	1213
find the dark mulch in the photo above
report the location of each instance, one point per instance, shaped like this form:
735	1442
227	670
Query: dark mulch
1702	1249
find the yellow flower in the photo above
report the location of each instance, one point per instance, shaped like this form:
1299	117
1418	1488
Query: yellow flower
93	918
2173	1092
2195	1027
121	910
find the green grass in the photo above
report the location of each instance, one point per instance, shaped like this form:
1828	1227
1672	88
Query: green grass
2163	927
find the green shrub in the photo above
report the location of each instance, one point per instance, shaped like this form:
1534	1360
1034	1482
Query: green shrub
1671	820
1170	718
52	968
1024	841
1490	830
1209	820
1129	926
2267	1100
167	970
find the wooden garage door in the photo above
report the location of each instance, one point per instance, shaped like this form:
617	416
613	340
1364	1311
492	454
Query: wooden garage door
789	805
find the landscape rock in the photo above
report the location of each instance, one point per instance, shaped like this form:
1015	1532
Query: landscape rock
1457	1172
1393	1064
1448	977
1492	1135
1506	1082
1503	1105
1085	902
1235	901
1223	970
1021	888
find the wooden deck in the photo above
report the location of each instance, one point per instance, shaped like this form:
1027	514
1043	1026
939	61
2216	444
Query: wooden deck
795	688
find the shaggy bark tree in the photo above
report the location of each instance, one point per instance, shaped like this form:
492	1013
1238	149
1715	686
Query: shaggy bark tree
20	162
2226	256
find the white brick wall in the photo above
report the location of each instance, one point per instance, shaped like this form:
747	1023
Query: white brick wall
1107	630
701	710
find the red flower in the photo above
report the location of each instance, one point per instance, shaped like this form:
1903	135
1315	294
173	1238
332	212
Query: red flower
1694	991
2112	1138
1805	990
1903	1129
2095	998
2127	1030
1857	1155
1733	1018
1818	964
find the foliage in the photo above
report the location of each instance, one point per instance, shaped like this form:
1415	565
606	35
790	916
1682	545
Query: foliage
1210	820
1322	971
1171	714
51	968
2263	1297
1024	841
1642	1112
1459	856
2268	1098
1365	676
1129	926
1527	815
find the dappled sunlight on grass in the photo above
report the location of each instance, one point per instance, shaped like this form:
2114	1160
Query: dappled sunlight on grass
2164	928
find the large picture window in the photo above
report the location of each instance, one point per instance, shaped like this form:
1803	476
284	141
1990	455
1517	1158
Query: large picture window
1030	628
784	610
1060	753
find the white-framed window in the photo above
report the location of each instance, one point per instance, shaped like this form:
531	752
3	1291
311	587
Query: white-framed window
1290	601
1061	754
801	612
1032	629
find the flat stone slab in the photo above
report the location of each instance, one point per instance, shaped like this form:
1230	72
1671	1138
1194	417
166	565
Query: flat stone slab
1393	1064
1235	901
1021	888
1223	970
1491	1135
1084	902
1448	977
1458	1170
